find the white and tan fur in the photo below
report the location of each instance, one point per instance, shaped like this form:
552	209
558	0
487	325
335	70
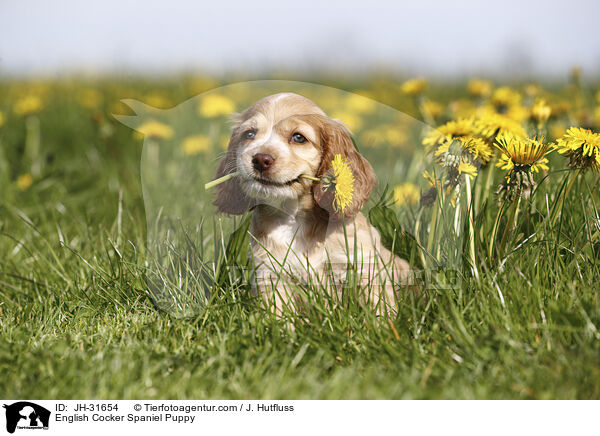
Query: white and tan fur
295	230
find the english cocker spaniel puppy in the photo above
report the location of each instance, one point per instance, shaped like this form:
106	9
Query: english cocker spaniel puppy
296	232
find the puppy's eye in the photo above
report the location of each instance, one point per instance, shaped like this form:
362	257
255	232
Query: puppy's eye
298	138
249	134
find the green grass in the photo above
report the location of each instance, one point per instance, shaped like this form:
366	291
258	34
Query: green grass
77	320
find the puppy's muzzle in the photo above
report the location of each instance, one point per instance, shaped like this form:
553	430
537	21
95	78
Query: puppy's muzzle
262	162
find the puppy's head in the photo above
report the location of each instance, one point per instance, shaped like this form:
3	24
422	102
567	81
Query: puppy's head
275	141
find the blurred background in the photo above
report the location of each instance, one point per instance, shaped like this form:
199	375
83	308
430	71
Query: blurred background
495	39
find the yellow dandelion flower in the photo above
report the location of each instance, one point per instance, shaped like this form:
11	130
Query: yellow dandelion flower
517	113
155	129
521	156
458	128
352	120
463	127
24	181
491	124
406	194
433	108
457	159
522	153
467	168
478	148
505	97
505	163
28	105
479	88
579	138
540	111
196	144
414	87
444	147
342	182
474	135
582	146
358	103
215	105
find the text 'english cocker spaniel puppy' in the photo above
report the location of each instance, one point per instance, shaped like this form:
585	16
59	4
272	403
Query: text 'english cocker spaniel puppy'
296	230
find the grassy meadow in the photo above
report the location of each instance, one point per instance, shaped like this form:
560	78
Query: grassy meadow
503	194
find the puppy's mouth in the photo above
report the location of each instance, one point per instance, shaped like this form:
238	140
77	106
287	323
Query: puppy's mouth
268	182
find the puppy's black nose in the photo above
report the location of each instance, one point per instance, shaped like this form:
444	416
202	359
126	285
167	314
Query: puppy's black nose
262	161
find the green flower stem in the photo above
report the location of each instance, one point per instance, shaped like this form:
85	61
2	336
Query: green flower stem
471	228
457	212
492	244
306	176
220	180
418	238
489	179
349	265
512	221
226	177
515	217
563	195
432	226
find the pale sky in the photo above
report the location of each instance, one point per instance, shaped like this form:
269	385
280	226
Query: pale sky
421	37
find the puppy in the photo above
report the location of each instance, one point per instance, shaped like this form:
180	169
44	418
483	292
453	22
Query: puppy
296	233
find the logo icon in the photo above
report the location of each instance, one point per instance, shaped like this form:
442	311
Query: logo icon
26	415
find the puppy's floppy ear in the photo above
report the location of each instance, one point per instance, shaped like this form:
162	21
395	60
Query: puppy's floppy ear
230	197
335	139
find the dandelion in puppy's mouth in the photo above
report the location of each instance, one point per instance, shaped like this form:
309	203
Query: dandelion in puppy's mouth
341	182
